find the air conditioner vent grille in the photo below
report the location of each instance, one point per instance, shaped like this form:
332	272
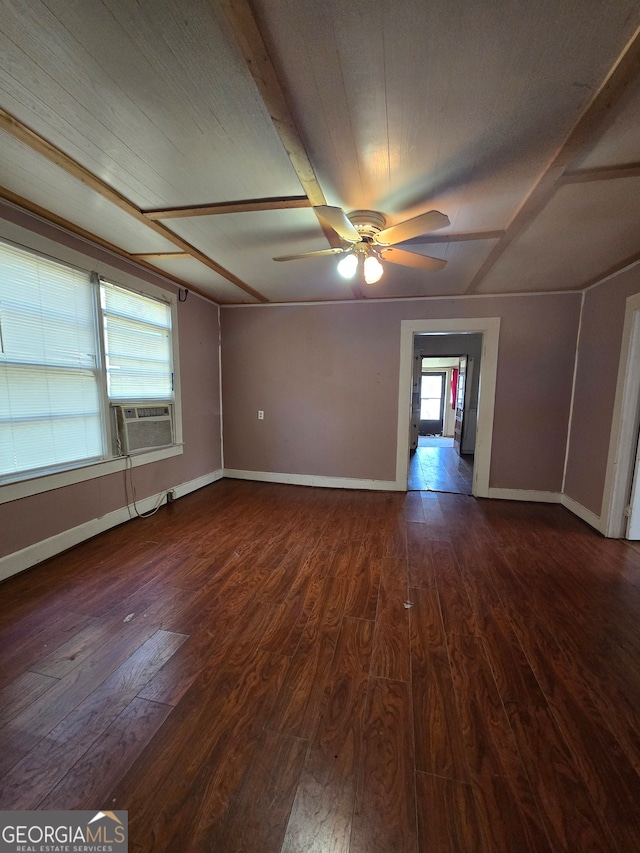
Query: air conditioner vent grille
144	427
152	411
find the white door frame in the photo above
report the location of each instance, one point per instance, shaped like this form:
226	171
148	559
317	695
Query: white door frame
624	426
490	329
633	521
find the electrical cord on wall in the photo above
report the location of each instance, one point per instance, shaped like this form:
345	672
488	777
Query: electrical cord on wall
129	468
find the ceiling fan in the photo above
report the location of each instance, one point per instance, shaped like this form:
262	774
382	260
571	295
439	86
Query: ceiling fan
366	240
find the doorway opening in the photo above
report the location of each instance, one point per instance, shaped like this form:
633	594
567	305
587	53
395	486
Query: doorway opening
444	412
431	331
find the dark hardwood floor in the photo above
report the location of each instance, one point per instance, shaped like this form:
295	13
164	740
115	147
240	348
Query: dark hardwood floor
266	668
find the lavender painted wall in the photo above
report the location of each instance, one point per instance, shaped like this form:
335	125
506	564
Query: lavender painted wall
596	377
29	520
326	377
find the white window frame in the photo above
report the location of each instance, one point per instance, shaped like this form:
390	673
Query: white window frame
39	483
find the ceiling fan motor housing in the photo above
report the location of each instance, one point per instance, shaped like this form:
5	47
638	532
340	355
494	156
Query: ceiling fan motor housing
367	223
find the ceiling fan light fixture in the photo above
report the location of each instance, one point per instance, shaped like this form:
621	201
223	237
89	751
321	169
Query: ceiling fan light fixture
348	265
373	269
365	241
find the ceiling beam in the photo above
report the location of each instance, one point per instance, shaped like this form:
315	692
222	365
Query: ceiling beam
242	20
248	206
60	222
460	237
164	256
601	173
592	121
37	143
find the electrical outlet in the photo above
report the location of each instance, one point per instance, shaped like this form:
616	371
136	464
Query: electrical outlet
171	496
260	415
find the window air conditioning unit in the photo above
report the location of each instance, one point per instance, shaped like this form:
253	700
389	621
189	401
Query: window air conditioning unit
144	427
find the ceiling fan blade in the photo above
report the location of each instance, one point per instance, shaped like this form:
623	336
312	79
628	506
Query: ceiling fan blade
412	259
410	228
311	254
336	218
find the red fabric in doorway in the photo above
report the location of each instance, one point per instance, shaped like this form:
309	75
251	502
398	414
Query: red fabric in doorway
454	387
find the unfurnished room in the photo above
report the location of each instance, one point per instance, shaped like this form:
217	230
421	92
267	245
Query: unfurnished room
319	419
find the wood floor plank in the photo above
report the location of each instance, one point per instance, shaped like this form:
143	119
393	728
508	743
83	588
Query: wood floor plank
21	692
296	709
105	591
508	812
417	534
548	762
222	603
285	632
385	814
106	562
460	514
395	531
428	560
439	743
413	508
363	586
66	657
27	784
198	715
148	601
175	677
94	775
208	780
595	750
348	529
458	615
24	732
562	677
278	583
610	684
447	816
321	816
257	818
386	533
33	642
391	657
435	522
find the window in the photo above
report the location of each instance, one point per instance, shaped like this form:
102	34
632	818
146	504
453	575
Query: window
71	344
431	396
137	343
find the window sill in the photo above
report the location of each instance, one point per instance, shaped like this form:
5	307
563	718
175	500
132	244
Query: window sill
49	482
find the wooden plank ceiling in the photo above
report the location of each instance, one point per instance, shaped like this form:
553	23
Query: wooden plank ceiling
197	137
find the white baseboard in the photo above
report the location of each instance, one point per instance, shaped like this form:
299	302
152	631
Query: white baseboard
552	498
11	564
313	480
525	495
585	514
198	483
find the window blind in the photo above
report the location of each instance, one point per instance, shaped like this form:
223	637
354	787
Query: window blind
137	339
50	405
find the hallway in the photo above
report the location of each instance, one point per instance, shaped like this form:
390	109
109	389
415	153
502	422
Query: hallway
436	466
